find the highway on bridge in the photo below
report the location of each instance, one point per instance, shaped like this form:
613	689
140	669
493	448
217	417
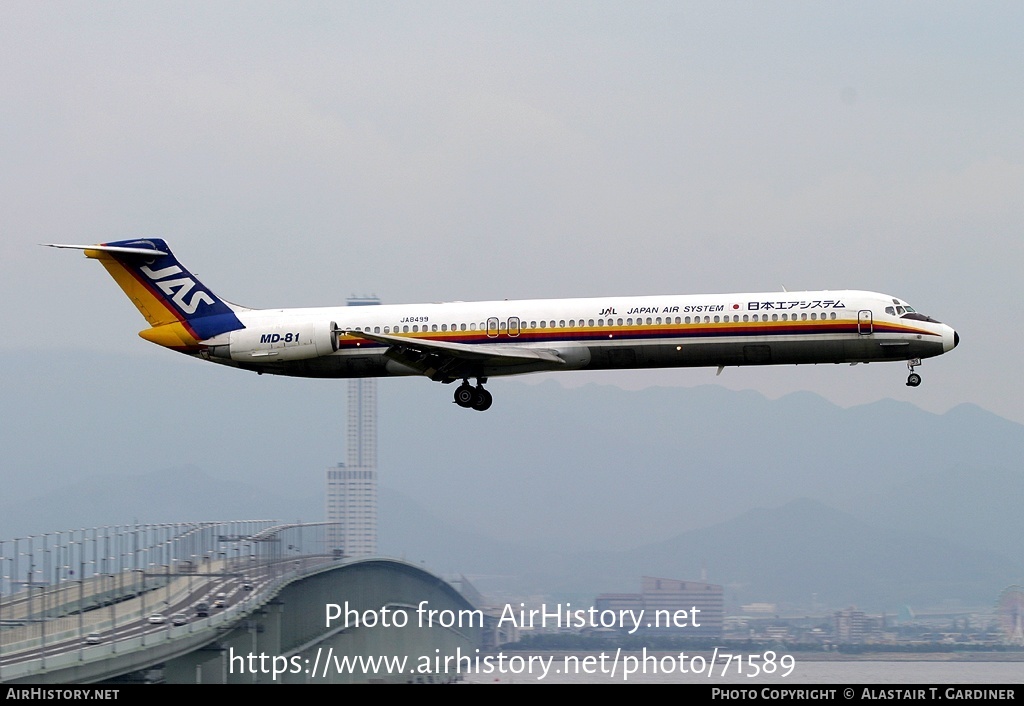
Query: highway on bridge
260	592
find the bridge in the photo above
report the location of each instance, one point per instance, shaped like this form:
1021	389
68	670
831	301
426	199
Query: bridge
221	602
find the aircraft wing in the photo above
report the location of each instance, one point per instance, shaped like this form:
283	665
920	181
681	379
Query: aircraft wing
446	361
496	354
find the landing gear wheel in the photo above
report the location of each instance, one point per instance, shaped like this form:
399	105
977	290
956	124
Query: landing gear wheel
465	395
913	380
481	399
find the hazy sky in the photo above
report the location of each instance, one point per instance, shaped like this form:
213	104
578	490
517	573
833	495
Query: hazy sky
296	153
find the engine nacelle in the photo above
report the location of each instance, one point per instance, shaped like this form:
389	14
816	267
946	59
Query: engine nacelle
283	342
575	355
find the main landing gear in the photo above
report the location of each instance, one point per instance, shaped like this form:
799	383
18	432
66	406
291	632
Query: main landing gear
476	397
913	380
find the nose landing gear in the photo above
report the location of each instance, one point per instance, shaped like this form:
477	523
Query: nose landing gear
913	380
476	397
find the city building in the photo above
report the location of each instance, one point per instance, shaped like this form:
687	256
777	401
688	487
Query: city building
849	626
352	485
690	608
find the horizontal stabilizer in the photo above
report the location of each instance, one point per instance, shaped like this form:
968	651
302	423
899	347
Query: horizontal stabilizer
148	252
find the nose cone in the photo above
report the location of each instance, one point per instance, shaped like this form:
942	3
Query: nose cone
950	339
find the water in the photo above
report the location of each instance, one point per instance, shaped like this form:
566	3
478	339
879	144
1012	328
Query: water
941	671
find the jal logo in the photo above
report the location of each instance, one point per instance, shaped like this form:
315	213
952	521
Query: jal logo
610	311
178	288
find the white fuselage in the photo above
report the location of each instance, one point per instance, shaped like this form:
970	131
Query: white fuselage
596	333
463	340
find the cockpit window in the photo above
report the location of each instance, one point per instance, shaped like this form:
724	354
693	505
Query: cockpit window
891	311
908	312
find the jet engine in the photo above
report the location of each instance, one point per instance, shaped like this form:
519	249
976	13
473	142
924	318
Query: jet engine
283	342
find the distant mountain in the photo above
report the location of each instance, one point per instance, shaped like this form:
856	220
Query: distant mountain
553	489
799	555
599	467
804	547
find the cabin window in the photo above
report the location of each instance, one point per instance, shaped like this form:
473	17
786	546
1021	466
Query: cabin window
775	317
543	324
833	316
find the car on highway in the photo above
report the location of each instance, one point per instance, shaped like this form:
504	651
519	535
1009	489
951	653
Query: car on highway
179	619
157	619
93	638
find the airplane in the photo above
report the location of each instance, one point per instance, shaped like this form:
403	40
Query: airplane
462	340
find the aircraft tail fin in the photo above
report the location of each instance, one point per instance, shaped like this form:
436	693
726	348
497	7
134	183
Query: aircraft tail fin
181	310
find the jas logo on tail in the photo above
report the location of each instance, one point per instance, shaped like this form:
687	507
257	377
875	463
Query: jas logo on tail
176	289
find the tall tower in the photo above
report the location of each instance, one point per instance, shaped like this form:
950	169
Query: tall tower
352	486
